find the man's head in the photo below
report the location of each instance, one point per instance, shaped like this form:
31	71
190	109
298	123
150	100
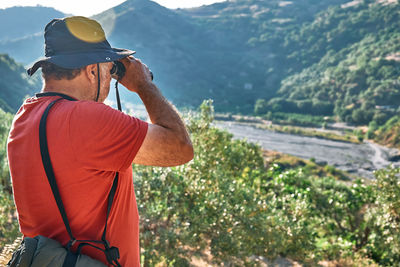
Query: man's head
75	44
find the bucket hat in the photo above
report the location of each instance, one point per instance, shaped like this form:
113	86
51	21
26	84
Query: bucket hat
75	42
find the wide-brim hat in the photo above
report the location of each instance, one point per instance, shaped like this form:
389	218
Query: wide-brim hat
75	42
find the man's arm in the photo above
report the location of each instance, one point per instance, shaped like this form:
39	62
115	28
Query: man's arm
167	142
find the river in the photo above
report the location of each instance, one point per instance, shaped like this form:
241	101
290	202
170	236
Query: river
356	159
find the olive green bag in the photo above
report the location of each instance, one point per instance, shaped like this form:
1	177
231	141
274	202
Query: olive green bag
42	251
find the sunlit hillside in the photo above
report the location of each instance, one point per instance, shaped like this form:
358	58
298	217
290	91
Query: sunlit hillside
15	85
335	58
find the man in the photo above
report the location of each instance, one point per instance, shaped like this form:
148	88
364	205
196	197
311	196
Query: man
88	141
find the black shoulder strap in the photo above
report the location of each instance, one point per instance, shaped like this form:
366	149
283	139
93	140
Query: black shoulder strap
112	253
44	151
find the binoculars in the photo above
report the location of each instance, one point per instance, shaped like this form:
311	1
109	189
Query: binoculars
119	70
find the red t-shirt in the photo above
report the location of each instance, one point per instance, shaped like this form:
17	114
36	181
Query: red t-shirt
88	142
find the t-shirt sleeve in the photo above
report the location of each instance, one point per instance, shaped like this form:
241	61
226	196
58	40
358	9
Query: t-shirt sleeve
103	138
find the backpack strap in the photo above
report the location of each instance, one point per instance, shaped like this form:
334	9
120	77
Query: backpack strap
112	253
44	151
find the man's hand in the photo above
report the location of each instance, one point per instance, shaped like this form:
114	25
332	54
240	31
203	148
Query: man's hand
137	76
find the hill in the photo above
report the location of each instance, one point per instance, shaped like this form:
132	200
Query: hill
356	71
166	41
334	58
210	51
16	22
206	52
21	31
15	84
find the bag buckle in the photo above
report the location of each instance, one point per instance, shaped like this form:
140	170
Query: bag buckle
71	243
112	254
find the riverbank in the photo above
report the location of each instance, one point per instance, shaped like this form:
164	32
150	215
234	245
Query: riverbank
355	158
332	131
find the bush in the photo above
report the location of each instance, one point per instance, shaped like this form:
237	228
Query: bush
8	224
210	203
261	107
385	215
5	123
228	203
372	127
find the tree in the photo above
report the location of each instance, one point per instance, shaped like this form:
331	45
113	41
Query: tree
261	107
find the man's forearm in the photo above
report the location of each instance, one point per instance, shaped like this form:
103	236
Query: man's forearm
167	142
161	112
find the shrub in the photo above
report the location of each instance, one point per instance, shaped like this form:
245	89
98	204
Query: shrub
210	203
384	241
229	203
8	224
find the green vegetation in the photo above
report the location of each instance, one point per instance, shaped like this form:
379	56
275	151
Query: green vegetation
233	52
387	134
8	226
302	64
352	137
299	124
309	167
232	204
322	58
353	65
251	63
228	203
296	119
14	84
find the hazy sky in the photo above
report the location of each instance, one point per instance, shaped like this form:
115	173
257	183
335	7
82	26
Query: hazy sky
91	7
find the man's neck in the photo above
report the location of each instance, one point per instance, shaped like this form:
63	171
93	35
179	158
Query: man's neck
73	88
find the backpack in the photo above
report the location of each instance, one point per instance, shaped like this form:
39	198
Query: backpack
41	251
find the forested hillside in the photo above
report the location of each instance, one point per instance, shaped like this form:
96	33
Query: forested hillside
15	84
229	51
253	56
329	57
232	52
357	69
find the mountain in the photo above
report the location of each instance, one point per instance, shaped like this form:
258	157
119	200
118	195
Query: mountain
21	31
16	22
205	52
15	85
319	57
356	69
210	52
166	41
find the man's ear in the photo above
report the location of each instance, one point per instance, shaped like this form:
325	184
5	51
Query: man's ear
91	72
